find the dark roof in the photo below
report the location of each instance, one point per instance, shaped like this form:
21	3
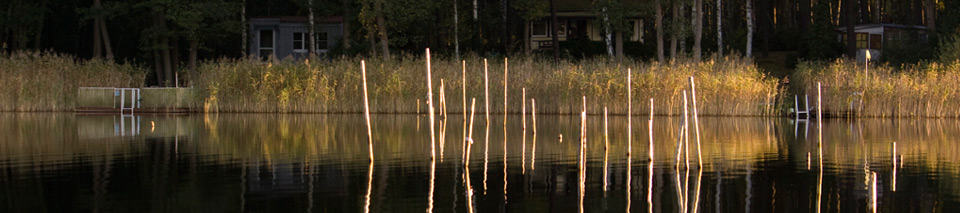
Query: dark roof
300	19
897	26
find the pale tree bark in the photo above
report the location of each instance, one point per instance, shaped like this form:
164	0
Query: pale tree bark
606	31
675	30
749	20
719	29
697	29
311	43
381	24
659	26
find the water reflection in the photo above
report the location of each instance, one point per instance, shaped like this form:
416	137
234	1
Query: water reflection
230	163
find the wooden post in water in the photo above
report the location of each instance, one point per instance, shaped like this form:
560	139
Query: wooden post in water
696	120
523	118
819	104
505	94
629	113
533	154
366	109
650	131
686	132
486	91
433	148
468	141
463	82
606	148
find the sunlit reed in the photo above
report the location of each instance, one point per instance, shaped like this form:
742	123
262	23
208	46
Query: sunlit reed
366	109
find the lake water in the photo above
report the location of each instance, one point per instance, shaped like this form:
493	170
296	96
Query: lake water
294	163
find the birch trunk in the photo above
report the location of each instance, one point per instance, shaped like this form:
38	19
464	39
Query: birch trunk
659	26
719	29
697	28
381	24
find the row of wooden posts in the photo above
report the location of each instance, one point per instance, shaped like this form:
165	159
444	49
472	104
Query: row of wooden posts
682	140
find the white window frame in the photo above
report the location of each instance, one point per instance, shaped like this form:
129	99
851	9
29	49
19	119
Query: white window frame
325	41
303	42
273	42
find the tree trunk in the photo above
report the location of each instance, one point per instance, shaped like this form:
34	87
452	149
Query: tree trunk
97	45
157	54
553	33
311	43
243	23
106	40
526	37
606	31
381	24
749	20
194	44
719	29
659	26
345	39
851	17
698	29
675	30
930	11
504	34
39	34
165	54
683	30
618	39
804	10
456	30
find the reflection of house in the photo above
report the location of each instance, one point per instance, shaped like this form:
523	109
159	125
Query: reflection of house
577	21
877	37
287	36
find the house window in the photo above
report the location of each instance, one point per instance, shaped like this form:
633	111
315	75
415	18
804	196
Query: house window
539	29
862	39
322	40
298	44
561	28
266	47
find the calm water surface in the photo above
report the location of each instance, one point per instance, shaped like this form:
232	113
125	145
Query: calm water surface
319	163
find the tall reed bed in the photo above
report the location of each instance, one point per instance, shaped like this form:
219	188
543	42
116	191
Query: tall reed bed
926	89
45	81
732	86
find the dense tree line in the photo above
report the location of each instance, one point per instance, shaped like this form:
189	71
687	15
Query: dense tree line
170	36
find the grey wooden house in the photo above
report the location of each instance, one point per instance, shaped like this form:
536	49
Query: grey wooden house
288	36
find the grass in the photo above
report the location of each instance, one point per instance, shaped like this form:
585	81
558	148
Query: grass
925	89
732	86
44	81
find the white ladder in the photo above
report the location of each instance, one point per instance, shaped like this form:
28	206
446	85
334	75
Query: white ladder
134	98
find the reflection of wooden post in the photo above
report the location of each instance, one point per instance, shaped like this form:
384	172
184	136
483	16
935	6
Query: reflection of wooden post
469	140
366	112
894	166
